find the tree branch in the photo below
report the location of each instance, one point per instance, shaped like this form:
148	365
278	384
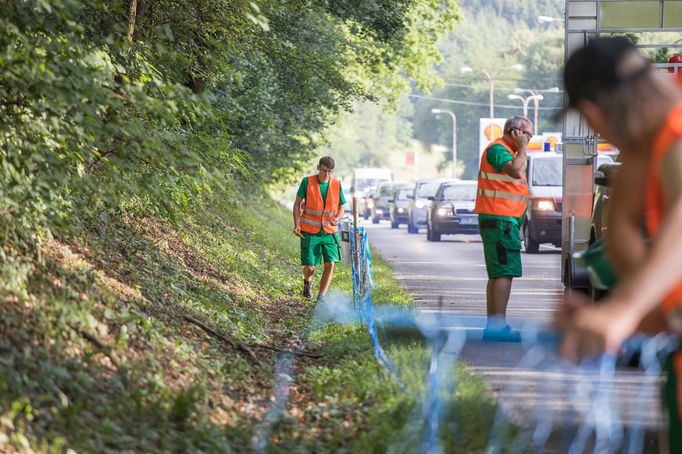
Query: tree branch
132	15
233	343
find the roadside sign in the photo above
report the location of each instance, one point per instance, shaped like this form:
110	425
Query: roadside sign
489	130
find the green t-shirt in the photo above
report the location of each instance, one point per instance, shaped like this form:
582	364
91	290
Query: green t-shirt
497	157
303	188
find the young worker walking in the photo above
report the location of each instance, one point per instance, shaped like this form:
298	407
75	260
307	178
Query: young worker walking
316	222
501	202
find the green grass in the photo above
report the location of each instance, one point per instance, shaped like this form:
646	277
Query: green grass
96	355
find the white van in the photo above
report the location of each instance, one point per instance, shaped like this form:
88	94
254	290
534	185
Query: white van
366	178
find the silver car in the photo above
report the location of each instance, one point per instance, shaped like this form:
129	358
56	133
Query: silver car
419	202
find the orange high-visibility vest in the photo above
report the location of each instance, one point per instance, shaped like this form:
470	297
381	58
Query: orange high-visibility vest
668	134
318	214
498	193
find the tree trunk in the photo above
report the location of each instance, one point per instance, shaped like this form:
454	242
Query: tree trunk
132	15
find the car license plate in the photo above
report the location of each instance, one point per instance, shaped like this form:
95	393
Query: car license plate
468	221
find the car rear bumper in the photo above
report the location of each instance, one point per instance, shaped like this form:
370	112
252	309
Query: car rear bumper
546	229
456	225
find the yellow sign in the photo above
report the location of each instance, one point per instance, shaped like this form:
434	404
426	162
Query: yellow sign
492	132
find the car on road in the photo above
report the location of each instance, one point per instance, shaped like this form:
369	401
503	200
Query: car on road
367	202
382	197
398	206
604	177
419	201
542	221
452	210
606	173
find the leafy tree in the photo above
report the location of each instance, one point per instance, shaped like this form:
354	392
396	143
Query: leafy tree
158	101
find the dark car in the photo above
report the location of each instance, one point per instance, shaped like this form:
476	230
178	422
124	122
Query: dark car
542	223
398	206
604	177
382	197
452	210
603	180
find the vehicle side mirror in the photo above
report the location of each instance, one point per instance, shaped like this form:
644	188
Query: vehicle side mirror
600	178
431	198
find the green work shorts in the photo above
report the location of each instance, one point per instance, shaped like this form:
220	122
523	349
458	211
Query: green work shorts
501	247
316	248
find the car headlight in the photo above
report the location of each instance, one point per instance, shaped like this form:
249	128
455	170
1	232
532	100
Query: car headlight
441	212
419	204
379	211
544	205
401	210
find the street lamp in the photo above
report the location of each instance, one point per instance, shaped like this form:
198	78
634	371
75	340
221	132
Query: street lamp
491	80
454	137
525	101
535	92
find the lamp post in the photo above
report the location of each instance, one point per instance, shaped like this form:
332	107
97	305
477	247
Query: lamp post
454	137
536	101
525	101
491	80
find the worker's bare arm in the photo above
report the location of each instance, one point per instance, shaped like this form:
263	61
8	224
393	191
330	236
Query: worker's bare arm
517	167
296	212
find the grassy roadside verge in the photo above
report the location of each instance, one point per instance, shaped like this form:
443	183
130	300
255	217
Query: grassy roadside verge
98	352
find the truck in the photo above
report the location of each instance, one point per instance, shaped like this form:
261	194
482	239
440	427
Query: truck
655	26
365	179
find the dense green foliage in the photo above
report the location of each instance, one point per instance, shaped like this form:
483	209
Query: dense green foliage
158	101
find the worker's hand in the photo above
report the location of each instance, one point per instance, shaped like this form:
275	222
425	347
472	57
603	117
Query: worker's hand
589	329
297	230
520	137
334	221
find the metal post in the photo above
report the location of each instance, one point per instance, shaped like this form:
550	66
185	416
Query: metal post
454	137
492	96
356	235
454	145
536	107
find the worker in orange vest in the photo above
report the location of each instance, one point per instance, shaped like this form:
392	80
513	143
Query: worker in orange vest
317	210
501	203
640	111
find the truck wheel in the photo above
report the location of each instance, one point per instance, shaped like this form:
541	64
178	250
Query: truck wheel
394	225
532	246
435	236
375	220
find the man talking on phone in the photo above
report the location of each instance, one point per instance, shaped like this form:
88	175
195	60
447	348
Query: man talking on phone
501	203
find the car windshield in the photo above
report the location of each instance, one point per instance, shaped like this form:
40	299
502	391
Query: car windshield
547	172
363	184
403	193
428	189
386	191
460	193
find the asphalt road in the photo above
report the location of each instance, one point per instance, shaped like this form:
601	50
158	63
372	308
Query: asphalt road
449	278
